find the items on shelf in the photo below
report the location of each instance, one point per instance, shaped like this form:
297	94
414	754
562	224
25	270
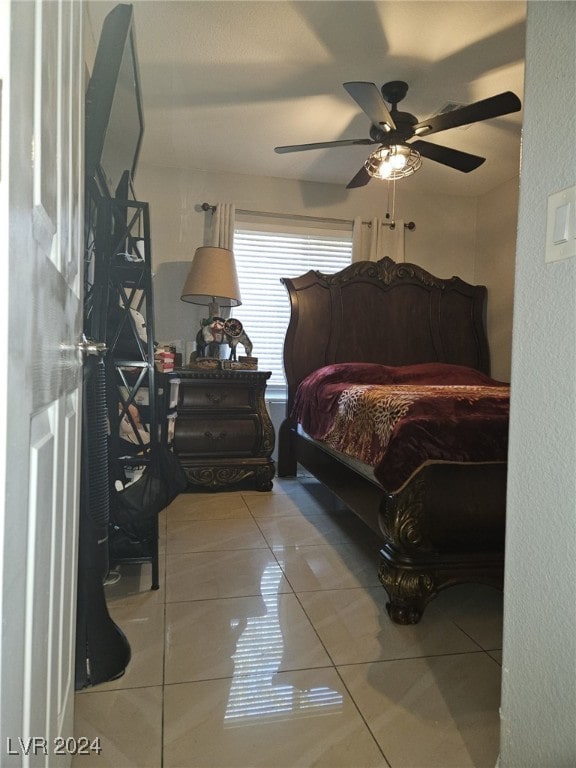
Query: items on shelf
164	360
131	428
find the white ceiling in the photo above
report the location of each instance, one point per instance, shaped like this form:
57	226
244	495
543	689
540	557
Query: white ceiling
223	83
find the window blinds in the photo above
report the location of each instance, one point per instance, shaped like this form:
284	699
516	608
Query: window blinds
267	250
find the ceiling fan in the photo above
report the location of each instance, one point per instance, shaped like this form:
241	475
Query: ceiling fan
392	130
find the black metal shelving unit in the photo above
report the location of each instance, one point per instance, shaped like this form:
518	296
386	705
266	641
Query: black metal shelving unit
118	285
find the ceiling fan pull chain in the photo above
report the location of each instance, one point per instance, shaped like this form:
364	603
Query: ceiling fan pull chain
390	216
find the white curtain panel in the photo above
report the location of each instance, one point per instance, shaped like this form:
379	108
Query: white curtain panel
222	229
372	240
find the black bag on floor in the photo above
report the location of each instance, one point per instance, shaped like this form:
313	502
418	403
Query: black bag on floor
134	510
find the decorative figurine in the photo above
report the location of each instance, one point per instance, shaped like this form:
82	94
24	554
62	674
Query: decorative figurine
216	331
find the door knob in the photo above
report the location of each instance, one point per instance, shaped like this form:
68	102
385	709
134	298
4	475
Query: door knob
89	347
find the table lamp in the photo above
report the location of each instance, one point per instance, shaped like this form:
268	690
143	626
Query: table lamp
212	282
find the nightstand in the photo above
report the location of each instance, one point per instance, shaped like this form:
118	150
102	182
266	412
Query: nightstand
223	432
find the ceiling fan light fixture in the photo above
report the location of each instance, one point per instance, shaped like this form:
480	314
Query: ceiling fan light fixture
398	161
395	162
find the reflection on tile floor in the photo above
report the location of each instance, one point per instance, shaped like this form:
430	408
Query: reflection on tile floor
268	644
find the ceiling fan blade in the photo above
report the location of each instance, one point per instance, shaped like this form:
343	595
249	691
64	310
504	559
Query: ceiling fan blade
461	161
322	145
369	99
360	180
495	106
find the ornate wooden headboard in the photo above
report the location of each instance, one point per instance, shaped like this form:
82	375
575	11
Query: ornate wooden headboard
382	312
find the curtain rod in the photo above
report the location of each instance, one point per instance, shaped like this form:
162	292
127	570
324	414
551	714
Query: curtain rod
207	207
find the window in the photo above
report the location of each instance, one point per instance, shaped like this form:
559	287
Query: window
267	248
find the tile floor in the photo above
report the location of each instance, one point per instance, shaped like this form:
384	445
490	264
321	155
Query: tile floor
268	645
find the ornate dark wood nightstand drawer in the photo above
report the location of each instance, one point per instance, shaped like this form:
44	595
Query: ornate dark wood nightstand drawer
216	397
223	431
229	435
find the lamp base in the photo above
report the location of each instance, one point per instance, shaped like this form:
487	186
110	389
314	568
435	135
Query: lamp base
214	349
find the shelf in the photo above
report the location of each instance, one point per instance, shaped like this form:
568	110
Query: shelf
119	289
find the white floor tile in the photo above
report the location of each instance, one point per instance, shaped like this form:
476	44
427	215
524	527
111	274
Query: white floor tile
301	719
213	536
268	644
291	531
208	506
336	566
208	575
243	636
477	610
280	505
354	626
439	712
128	724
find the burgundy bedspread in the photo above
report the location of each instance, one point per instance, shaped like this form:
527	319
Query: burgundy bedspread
397	419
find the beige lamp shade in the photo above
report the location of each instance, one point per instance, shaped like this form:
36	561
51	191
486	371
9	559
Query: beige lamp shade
212	278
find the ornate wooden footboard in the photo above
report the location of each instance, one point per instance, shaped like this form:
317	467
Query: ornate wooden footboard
446	526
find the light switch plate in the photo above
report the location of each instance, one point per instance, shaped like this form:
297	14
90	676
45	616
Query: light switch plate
561	225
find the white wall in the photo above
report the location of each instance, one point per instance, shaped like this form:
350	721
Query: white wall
496	247
444	241
539	661
444	223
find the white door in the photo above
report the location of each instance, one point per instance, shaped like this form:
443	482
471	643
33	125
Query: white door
41	213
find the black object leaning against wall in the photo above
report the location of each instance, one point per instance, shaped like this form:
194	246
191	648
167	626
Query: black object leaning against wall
115	287
114	114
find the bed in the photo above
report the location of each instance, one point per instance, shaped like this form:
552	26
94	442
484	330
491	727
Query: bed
439	521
